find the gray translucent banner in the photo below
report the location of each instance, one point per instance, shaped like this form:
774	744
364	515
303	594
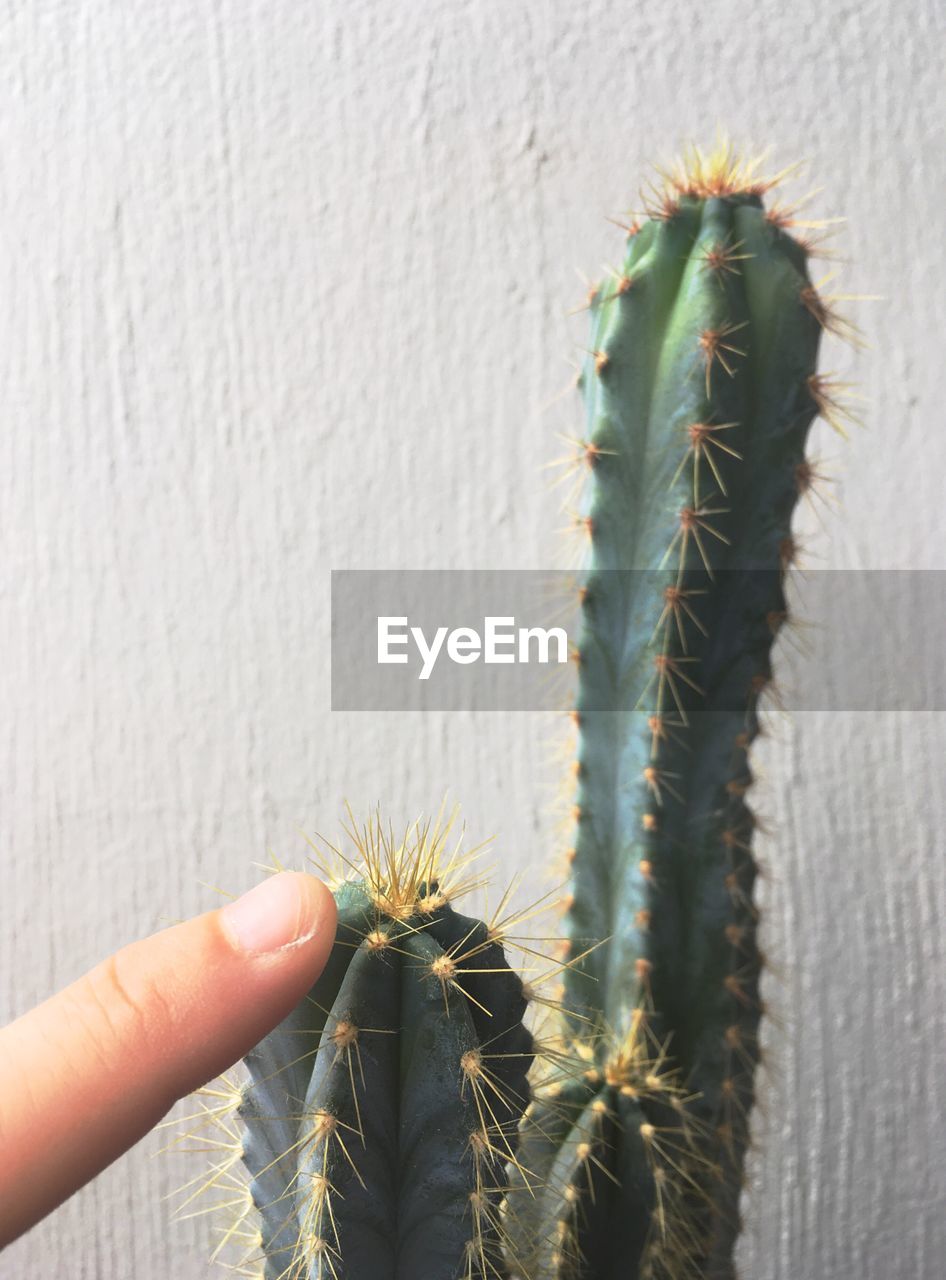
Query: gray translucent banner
502	640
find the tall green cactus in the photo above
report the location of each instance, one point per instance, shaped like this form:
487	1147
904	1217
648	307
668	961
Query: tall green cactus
700	388
378	1118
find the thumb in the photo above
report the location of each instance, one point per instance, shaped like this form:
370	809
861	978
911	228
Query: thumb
86	1074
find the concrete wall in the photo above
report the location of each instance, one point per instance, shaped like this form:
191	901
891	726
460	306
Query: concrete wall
282	288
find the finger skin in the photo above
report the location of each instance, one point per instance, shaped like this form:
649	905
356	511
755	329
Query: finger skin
86	1074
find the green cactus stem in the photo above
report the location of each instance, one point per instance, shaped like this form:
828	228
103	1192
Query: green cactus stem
380	1116
700	388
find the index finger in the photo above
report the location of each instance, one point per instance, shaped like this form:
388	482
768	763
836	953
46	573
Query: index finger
87	1073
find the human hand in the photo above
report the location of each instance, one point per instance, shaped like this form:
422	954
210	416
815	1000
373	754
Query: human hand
87	1073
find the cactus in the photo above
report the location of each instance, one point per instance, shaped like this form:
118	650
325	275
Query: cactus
382	1123
700	388
379	1117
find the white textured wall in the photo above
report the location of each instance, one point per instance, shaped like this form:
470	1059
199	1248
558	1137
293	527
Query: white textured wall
282	286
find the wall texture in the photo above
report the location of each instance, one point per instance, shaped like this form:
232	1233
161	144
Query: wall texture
283	287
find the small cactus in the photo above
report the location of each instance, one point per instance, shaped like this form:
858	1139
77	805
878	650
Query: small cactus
379	1117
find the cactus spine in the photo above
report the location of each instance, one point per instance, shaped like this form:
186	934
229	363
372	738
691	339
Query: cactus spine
380	1116
700	389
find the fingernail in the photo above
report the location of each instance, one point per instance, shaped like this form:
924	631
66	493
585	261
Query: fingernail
277	913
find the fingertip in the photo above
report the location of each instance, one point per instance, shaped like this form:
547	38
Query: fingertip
288	909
